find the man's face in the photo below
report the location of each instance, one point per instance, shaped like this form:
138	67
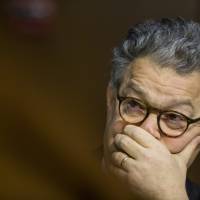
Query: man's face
161	88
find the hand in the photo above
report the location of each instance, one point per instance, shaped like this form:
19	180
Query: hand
150	169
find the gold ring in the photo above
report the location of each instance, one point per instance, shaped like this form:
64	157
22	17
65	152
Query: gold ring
123	161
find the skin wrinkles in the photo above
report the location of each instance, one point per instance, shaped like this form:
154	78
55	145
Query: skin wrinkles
133	152
134	90
158	85
141	67
161	87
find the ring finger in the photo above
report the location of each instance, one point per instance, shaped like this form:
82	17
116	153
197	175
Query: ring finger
123	161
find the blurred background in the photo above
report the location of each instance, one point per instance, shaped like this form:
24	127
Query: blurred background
55	64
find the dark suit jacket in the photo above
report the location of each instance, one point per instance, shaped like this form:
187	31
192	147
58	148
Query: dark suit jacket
193	190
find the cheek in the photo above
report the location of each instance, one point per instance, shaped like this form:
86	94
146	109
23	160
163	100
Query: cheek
176	145
113	128
114	125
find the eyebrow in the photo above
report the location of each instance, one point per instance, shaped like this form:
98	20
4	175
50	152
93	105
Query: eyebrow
136	88
173	103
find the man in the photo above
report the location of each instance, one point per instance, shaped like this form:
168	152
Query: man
152	133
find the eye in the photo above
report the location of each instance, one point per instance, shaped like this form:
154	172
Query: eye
174	120
132	110
133	107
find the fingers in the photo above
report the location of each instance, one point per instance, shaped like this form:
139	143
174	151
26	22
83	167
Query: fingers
118	172
123	161
128	145
189	153
141	136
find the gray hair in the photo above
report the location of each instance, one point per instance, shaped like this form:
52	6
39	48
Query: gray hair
170	42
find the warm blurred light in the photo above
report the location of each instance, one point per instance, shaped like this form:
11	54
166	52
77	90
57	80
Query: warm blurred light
31	17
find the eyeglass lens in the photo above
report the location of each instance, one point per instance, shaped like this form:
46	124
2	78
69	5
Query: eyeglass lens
170	123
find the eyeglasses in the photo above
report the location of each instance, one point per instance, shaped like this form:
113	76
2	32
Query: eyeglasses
170	123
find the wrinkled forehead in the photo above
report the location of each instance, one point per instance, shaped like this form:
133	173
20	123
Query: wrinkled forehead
159	84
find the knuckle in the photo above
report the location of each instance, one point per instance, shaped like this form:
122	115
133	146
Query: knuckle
133	178
117	137
116	156
148	155
129	133
113	157
198	140
123	142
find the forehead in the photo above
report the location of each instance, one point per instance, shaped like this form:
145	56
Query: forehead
161	84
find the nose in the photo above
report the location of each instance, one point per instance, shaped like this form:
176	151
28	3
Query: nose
150	125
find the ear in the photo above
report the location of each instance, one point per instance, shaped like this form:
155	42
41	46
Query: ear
111	96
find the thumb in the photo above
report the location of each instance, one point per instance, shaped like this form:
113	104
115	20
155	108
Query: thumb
190	152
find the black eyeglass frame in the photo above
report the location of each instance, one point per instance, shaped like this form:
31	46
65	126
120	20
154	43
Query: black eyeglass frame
160	113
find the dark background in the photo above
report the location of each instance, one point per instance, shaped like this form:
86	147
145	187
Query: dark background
53	92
